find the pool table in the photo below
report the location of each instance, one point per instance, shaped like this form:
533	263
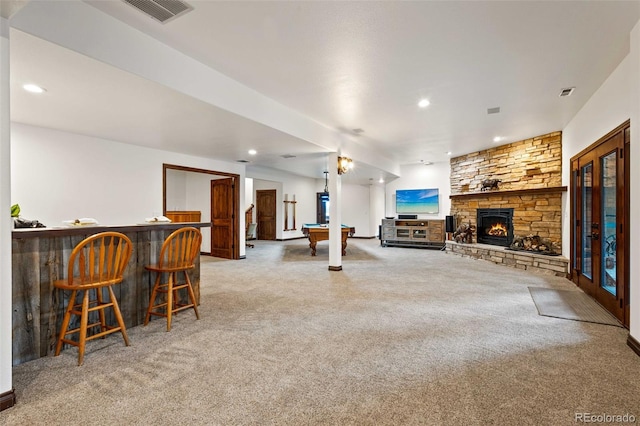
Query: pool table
320	232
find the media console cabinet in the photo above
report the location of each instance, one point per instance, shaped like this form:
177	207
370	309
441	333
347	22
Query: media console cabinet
424	233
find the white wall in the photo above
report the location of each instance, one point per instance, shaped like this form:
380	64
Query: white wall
58	176
376	208
248	196
5	202
176	190
419	176
617	100
356	206
634	227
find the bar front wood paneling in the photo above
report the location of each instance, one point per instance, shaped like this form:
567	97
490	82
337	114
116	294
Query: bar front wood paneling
40	256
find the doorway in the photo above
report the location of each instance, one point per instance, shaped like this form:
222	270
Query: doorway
230	200
266	214
322	207
599	217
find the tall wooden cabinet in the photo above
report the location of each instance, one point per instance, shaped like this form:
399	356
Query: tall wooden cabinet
413	233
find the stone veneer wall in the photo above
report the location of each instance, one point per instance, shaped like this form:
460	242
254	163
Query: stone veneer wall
528	164
531	174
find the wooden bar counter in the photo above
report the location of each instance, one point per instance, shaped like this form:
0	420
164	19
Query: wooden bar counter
40	256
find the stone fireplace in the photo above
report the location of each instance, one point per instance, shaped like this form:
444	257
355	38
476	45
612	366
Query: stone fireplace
527	202
495	226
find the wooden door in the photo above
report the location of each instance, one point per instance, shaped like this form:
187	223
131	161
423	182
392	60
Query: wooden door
266	214
222	218
598	206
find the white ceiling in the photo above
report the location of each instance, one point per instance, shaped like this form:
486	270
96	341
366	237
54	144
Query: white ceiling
347	65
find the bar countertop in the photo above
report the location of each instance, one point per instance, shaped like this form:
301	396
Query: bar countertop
21	233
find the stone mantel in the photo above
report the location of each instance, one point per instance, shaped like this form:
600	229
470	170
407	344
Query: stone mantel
531	191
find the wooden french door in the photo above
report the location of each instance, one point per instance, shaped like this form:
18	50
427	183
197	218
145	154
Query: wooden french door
222	218
599	212
266	213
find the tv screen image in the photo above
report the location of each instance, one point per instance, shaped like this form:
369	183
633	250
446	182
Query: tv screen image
417	201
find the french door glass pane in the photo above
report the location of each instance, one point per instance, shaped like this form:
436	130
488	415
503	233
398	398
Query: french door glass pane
574	207
587	199
609	210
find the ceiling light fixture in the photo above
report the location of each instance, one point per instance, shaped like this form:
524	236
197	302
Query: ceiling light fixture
252	152
33	88
497	139
424	103
381	180
344	165
449	152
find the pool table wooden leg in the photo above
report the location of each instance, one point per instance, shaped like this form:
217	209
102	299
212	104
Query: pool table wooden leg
312	244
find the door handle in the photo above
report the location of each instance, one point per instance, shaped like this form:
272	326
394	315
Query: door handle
594	236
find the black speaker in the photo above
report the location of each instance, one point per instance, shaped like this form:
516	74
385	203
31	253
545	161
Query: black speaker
407	216
450	224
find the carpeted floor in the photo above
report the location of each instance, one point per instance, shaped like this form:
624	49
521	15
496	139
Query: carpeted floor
407	337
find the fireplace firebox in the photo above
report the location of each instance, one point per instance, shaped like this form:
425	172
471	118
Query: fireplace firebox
495	226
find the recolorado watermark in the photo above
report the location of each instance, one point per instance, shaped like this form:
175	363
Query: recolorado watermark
604	418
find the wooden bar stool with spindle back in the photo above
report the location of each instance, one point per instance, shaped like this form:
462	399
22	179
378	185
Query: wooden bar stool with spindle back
178	254
100	261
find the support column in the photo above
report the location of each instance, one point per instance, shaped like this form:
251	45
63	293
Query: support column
335	218
7	395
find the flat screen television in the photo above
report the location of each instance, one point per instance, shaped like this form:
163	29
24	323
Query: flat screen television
417	201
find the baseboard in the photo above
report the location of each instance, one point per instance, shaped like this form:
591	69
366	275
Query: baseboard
7	399
633	344
242	257
335	268
364	238
205	253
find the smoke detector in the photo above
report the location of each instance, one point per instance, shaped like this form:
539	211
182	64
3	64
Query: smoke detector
162	11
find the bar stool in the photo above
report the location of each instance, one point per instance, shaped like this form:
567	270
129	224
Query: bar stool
100	261
178	254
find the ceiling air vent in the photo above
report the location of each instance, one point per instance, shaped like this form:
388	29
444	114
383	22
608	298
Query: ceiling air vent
242	161
494	110
161	10
566	92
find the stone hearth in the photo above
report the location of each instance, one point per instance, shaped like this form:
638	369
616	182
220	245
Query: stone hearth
532	262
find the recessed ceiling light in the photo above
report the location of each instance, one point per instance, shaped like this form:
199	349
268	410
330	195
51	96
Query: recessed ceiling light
252	152
33	88
449	152
424	103
497	139
381	180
